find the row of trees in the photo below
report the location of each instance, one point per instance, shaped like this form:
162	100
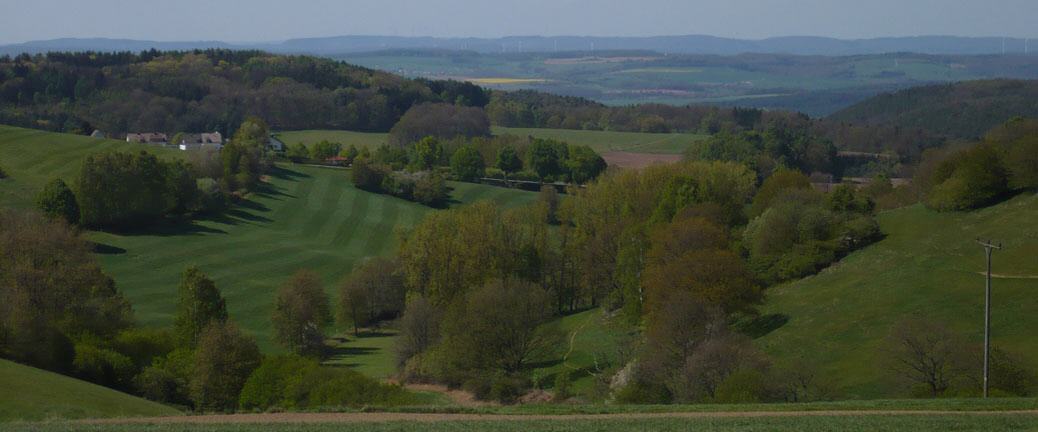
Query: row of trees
983	173
117	190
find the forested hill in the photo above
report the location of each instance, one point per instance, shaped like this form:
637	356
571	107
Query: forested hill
208	90
960	110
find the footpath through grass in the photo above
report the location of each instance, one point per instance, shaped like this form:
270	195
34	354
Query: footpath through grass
30	394
927	267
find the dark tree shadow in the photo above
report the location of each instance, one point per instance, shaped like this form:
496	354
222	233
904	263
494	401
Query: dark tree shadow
762	325
104	249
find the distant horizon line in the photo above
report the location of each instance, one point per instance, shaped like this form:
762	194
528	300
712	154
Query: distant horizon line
516	36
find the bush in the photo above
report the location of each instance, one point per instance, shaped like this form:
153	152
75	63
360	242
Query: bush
563	381
57	200
3	174
268	386
525	176
744	386
166	380
430	189
324	149
339	387
143	345
103	366
495	173
367	175
969	179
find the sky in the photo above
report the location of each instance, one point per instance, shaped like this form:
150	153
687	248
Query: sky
275	20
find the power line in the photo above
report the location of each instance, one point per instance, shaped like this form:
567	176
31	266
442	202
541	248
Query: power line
989	247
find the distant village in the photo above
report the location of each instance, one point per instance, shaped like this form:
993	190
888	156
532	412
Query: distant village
186	141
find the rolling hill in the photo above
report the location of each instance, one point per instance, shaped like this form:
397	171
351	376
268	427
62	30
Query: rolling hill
928	266
961	110
31	394
306	217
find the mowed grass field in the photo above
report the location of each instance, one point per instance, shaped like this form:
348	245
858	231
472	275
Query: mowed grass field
927	267
601	141
31	394
32	158
304	218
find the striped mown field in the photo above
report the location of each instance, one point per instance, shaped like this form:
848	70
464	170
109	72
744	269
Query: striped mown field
305	217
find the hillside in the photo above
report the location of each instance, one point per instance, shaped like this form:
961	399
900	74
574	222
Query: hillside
306	217
961	110
33	394
928	266
31	158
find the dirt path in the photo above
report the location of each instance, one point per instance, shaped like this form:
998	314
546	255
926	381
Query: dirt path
1005	276
429	418
459	397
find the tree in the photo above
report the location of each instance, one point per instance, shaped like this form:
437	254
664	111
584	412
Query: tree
508	160
199	304
374	290
297	152
548	198
223	362
324	149
53	290
442	121
498	327
419	329
430	189
301	313
545	158
584	164
367	175
57	200
927	354
775	185
427	153
467	164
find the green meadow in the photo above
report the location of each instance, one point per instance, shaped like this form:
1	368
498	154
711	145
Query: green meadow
303	218
928	266
31	394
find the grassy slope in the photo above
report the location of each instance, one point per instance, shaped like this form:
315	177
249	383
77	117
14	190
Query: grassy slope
34	394
928	266
31	159
601	141
307	218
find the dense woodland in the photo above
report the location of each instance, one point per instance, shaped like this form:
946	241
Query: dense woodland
212	90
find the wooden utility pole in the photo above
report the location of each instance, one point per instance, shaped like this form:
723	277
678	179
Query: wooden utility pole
989	247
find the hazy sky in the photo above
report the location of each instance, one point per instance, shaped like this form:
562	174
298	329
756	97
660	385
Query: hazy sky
271	20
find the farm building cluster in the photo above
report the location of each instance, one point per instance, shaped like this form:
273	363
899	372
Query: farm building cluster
188	141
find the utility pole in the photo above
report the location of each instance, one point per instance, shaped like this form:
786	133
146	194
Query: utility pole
989	247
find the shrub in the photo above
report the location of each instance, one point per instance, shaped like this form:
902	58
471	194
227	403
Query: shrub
430	189
297	152
367	175
339	387
969	179
744	386
563	381
324	149
57	200
495	173
525	176
103	366
3	174
166	380
144	344
268	386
